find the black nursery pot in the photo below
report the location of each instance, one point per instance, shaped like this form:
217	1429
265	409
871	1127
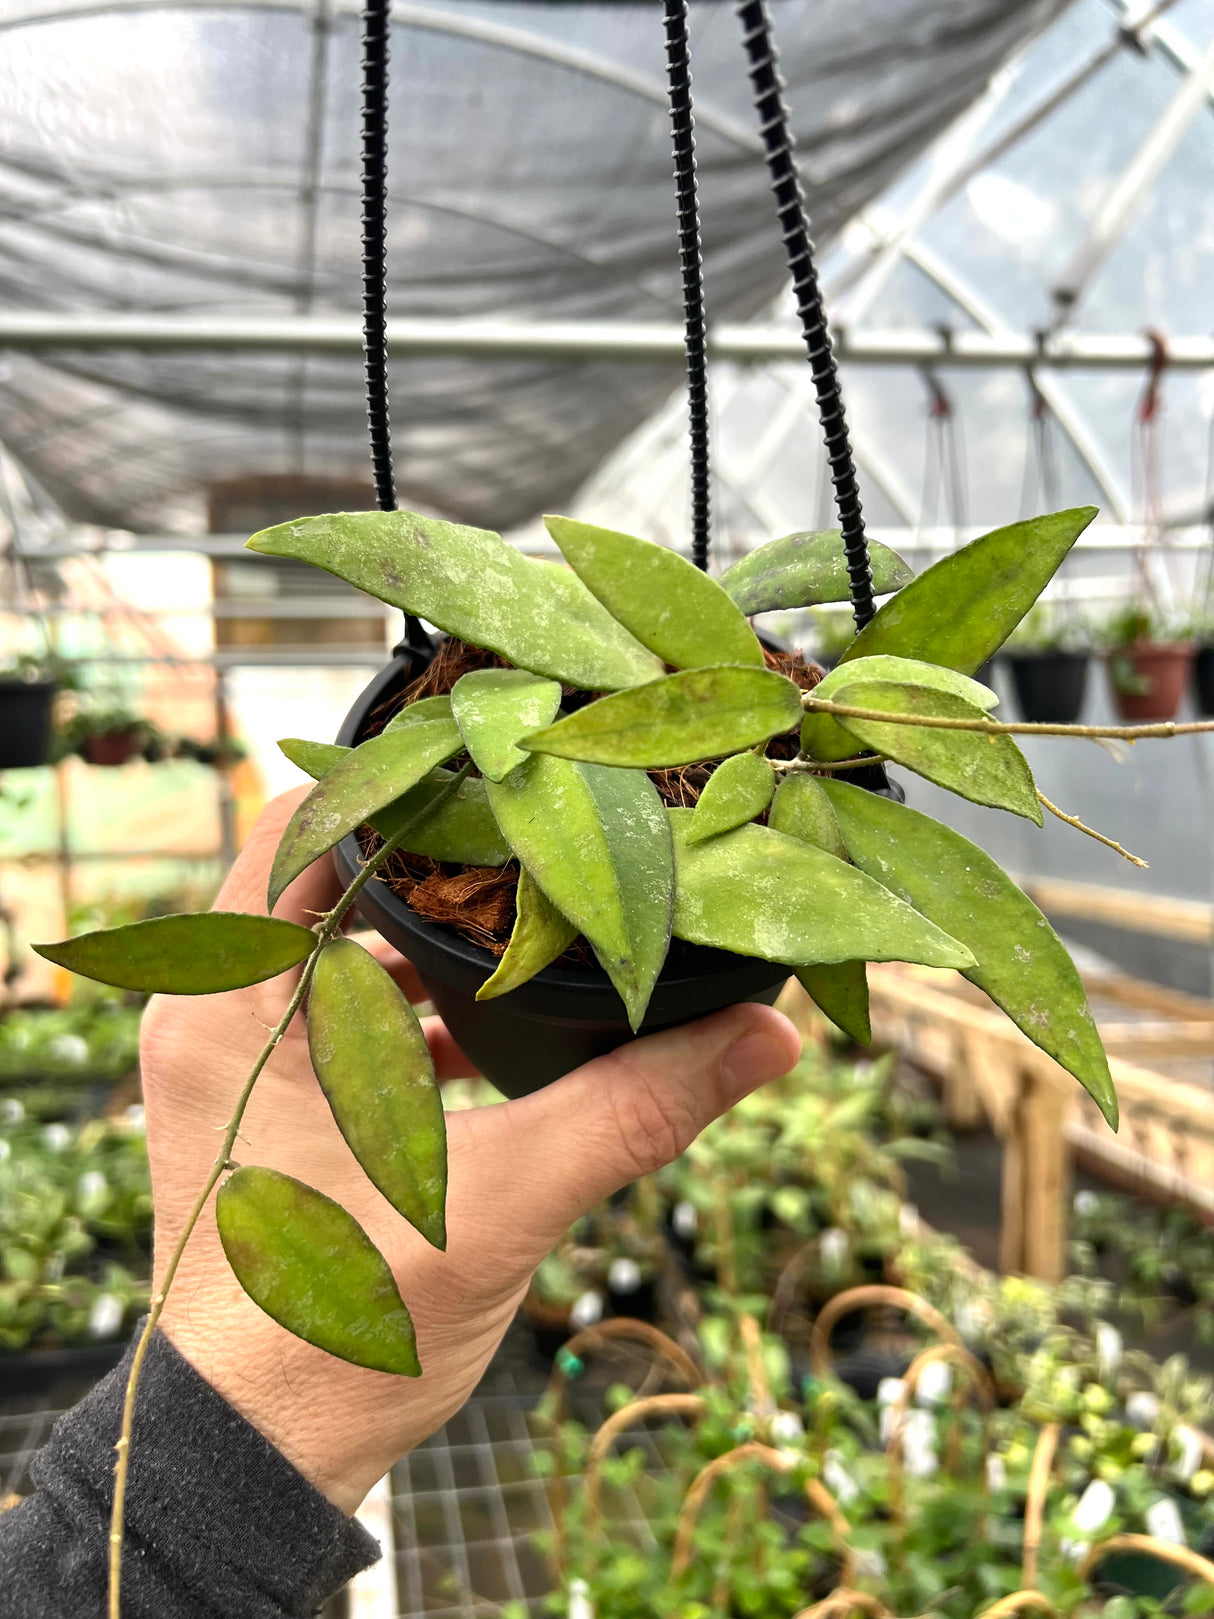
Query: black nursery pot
25	723
1203	680
562	1017
1050	686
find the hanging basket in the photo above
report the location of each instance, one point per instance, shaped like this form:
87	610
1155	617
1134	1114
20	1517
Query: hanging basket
565	1015
1050	686
25	723
1148	679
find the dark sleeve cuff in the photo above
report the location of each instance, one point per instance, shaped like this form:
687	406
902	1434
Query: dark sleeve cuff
219	1525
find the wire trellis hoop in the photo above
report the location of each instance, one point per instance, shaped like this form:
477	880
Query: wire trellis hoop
695	335
768	88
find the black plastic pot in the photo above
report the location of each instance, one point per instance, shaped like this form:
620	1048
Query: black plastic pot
564	1016
1203	681
25	723
1050	686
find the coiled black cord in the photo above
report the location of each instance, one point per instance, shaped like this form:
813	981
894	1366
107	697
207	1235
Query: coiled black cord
377	31
682	124
768	89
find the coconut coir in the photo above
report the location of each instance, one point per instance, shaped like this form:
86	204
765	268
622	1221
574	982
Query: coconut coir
479	901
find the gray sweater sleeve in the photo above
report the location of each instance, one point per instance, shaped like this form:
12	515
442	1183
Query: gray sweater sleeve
219	1523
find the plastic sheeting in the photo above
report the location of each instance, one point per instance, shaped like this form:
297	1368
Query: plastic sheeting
202	158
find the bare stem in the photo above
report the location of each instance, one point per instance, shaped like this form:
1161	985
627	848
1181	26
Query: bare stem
1081	826
938	722
326	930
822	767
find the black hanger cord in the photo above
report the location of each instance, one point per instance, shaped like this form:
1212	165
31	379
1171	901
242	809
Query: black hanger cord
682	124
768	89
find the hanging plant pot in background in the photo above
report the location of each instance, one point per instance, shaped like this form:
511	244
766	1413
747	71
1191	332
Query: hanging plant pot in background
1203	680
25	723
1050	686
565	1015
1148	678
111	748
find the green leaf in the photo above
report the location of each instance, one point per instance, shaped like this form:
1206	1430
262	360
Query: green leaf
472	584
699	714
494	707
906	672
965	606
804	569
802	810
1021	963
597	842
671	606
312	1268
200	954
761	893
368	778
985	769
738	789
463	831
540	935
376	1071
840	990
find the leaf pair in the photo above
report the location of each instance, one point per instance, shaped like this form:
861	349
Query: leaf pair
300	1256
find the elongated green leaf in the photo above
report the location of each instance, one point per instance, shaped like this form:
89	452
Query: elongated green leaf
985	769
802	810
494	707
463	829
597	842
426	711
1021	963
670	605
907	672
964	607
839	989
540	935
804	569
312	1268
738	789
472	584
199	954
368	778
699	714
761	893
376	1071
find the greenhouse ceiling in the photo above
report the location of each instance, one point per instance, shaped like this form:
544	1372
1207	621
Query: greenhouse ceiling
198	161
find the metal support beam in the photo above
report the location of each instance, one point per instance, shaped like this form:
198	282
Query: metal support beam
636	342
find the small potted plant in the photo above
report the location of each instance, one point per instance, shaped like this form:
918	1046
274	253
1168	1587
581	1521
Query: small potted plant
221	754
27	696
107	736
1148	664
1048	657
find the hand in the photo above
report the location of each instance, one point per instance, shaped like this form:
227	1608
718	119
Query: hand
520	1174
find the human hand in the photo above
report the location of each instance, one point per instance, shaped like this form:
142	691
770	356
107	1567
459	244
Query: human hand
520	1174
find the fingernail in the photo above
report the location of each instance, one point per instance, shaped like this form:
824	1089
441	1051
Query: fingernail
752	1061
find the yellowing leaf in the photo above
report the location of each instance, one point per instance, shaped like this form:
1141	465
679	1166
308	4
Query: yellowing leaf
494	707
671	606
312	1268
964	607
738	789
804	569
1020	961
698	714
375	1068
761	893
200	954
597	842
985	769
349	793
472	584
540	935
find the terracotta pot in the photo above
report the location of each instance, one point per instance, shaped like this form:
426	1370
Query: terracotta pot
1148	679
111	747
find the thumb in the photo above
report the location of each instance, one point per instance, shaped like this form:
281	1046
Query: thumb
627	1114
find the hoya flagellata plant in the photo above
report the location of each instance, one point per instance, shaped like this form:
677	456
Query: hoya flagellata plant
781	858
